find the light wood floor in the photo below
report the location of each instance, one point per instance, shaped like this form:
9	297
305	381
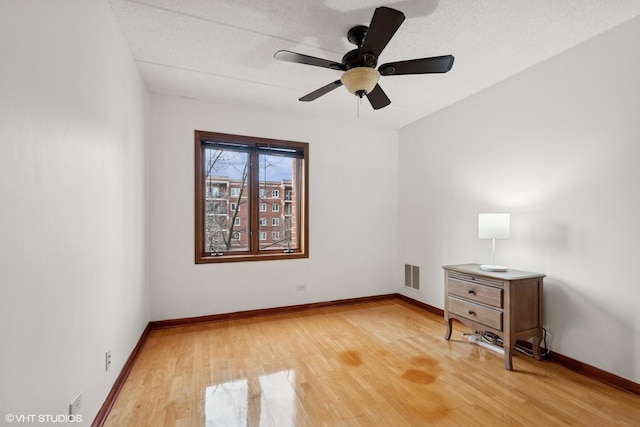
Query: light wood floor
373	364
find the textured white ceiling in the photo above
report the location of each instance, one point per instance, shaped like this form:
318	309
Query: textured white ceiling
222	50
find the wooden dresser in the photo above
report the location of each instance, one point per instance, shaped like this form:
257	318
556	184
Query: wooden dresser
508	304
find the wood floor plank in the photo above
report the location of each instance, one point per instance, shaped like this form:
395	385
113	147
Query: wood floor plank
381	363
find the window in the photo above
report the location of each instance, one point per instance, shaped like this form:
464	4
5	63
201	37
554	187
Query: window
239	171
214	190
216	208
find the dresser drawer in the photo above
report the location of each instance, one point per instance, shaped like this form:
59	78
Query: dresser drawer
477	313
474	279
475	292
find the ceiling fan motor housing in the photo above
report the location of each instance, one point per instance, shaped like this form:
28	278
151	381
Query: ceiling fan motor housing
354	58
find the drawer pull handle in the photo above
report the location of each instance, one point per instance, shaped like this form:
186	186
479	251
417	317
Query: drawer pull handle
472	312
471	291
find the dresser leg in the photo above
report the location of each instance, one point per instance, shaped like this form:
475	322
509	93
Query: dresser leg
447	335
507	345
508	362
536	347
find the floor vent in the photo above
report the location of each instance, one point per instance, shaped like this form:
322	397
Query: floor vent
412	276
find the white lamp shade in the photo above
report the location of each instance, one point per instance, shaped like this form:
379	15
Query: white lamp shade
494	225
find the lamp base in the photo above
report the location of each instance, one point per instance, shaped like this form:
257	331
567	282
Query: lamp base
489	267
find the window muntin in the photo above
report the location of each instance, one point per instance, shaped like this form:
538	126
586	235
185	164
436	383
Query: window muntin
275	172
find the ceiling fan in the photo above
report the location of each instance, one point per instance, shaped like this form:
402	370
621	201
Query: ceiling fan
360	76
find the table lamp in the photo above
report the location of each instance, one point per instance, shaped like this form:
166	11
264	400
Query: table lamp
493	226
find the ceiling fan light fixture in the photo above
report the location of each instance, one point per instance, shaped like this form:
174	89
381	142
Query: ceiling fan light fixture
360	80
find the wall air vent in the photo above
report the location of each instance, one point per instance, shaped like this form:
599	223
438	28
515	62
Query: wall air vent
407	275
412	276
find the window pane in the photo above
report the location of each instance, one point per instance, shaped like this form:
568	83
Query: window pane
278	180
226	194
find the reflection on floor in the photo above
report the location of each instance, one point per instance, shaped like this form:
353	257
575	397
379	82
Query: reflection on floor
227	404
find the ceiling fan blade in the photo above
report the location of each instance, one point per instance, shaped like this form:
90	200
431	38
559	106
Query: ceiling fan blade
285	55
322	91
377	98
384	24
437	64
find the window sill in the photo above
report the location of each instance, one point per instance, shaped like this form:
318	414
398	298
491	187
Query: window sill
206	259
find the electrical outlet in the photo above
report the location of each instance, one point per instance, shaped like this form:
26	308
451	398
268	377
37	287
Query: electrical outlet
74	407
107	360
301	287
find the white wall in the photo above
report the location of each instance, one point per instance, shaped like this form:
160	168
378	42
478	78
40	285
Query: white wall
72	177
353	214
558	146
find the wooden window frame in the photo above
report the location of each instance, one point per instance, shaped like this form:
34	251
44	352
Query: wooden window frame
254	253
